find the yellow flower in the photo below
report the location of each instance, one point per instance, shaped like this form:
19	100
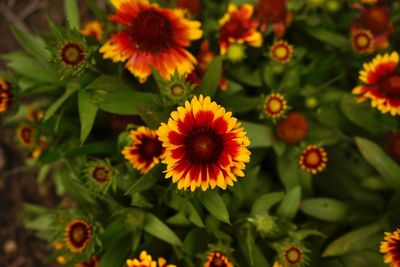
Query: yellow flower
281	51
275	105
145	260
390	247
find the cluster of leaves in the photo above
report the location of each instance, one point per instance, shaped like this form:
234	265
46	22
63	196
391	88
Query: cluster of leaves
339	215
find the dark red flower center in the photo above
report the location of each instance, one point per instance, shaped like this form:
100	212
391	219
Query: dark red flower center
217	262
150	148
27	134
390	86
235	28
151	31
93	262
313	158
293	255
203	145
100	174
79	233
72	54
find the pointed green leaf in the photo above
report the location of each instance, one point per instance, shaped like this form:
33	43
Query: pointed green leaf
116	255
87	114
325	209
290	204
260	135
351	241
72	13
35	46
329	37
215	205
210	81
157	228
147	181
70	90
388	168
263	203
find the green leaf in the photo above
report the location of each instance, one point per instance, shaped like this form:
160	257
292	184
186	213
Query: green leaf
240	103
116	255
290	204
363	116
113	232
87	114
70	90
72	13
329	37
263	203
26	65
260	135
193	215
215	205
210	81
352	241
109	83
325	209
102	147
388	168
157	228
242	74
147	181
35	46
125	102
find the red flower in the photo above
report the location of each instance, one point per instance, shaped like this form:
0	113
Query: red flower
273	13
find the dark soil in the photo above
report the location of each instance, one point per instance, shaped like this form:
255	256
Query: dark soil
18	246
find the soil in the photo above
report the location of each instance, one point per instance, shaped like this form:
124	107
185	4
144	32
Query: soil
18	246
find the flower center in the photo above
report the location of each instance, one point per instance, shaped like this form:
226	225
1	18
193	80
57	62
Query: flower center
203	145
100	174
274	105
151	31
79	234
150	148
72	54
26	134
281	52
217	262
293	255
177	90
313	158
362	41
391	86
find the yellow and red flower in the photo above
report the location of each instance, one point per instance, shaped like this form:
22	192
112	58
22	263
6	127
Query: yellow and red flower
275	105
152	37
281	51
145	260
375	19
146	149
34	115
93	28
291	254
93	262
293	128
273	13
204	58
390	247
313	159
381	83
277	264
5	95
78	234
362	41
42	144
205	145
238	26
217	259
26	135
